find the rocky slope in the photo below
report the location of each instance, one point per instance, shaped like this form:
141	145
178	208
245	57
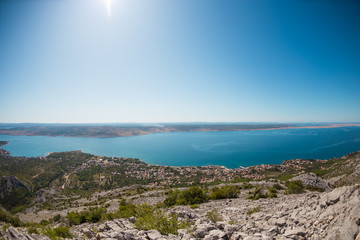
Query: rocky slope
10	184
311	215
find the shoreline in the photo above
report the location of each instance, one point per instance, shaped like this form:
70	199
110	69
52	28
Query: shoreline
141	132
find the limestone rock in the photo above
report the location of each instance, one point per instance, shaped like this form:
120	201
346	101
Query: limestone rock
313	180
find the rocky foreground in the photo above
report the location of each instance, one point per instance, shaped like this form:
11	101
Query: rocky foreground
312	215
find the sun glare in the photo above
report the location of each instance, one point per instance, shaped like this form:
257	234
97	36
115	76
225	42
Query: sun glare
108	5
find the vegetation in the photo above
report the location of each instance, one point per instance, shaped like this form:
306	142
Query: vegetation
32	230
314	188
57	233
93	215
253	210
224	192
194	206
8	218
193	195
214	216
85	174
150	217
294	187
257	194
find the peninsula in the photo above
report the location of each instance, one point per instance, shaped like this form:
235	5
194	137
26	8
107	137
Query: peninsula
122	130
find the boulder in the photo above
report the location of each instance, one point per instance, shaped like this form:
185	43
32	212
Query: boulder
12	233
295	233
281	222
203	230
216	235
154	234
88	232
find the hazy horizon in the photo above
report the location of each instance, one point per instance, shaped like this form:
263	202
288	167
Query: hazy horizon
122	61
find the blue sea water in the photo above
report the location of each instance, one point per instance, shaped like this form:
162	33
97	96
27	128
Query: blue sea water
230	149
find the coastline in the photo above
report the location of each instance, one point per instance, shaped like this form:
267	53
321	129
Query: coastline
139	131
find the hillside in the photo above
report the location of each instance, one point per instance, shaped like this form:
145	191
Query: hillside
97	194
72	172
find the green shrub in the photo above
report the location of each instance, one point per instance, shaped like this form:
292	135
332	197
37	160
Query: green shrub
56	218
273	192
63	232
44	222
193	195
194	206
294	187
32	230
232	222
8	218
277	186
224	192
314	188
253	210
214	216
158	220
93	215
272	195
256	194
126	210
5	227
150	217
57	233
246	186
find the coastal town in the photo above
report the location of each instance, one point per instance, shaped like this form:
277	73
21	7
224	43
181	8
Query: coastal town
186	175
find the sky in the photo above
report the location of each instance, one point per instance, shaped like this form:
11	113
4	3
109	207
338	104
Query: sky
94	61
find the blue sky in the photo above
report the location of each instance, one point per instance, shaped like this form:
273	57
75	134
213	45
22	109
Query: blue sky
79	61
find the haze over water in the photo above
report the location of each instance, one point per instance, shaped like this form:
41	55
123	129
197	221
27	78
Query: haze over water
230	149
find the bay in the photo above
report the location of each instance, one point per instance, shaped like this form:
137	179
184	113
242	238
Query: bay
230	149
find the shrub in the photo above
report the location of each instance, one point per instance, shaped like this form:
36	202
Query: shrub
314	188
56	218
44	222
57	233
294	187
63	232
149	217
273	195
126	210
273	192
194	206
227	191
214	216
193	195
158	220
5	227
277	186
93	215
8	218
32	230
247	186
232	222
253	210
256	194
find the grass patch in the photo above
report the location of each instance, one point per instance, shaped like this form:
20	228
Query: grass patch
253	210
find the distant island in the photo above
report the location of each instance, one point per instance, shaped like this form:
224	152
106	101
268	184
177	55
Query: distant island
122	130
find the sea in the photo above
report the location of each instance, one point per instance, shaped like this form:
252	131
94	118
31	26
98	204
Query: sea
230	149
